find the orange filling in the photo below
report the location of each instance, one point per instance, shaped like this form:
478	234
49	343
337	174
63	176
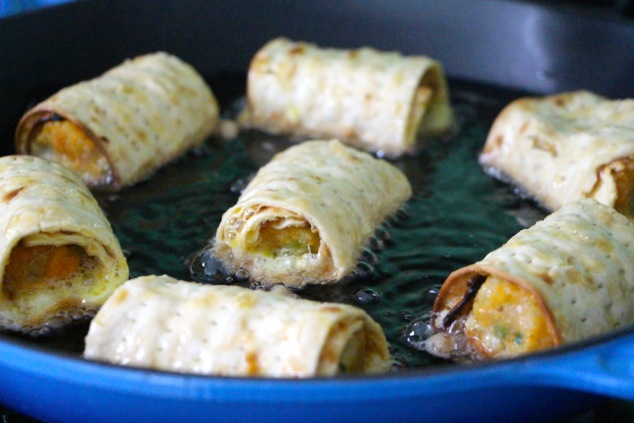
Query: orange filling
506	320
287	241
64	142
35	268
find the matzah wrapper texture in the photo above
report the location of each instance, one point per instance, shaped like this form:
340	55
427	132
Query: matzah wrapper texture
161	323
374	100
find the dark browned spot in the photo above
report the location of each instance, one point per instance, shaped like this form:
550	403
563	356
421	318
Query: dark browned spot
12	194
350	133
544	145
546	278
498	141
297	49
252	363
464	304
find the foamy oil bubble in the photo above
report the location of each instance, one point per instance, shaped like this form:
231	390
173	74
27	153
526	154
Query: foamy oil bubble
417	331
204	267
242	275
238	185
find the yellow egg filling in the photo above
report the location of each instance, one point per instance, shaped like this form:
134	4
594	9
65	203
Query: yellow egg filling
279	240
506	320
37	268
64	142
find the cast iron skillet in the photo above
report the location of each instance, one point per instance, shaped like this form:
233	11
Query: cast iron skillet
492	51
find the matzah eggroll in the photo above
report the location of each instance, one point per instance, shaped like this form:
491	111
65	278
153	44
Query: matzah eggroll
307	214
59	259
161	323
566	147
567	278
378	101
119	128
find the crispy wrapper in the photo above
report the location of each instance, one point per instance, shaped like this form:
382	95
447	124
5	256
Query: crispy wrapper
307	214
567	278
378	101
161	323
566	147
59	259
120	127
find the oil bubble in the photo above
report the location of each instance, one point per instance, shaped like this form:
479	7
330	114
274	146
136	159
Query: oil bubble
417	331
369	257
242	275
206	268
377	244
366	296
406	316
398	216
384	234
238	185
363	270
431	293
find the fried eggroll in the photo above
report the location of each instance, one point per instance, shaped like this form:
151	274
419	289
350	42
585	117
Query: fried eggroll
307	214
59	259
378	101
161	323
566	147
119	128
567	278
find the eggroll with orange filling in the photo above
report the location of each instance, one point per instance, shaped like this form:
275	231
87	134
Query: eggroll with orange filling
567	278
59	258
307	214
119	128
